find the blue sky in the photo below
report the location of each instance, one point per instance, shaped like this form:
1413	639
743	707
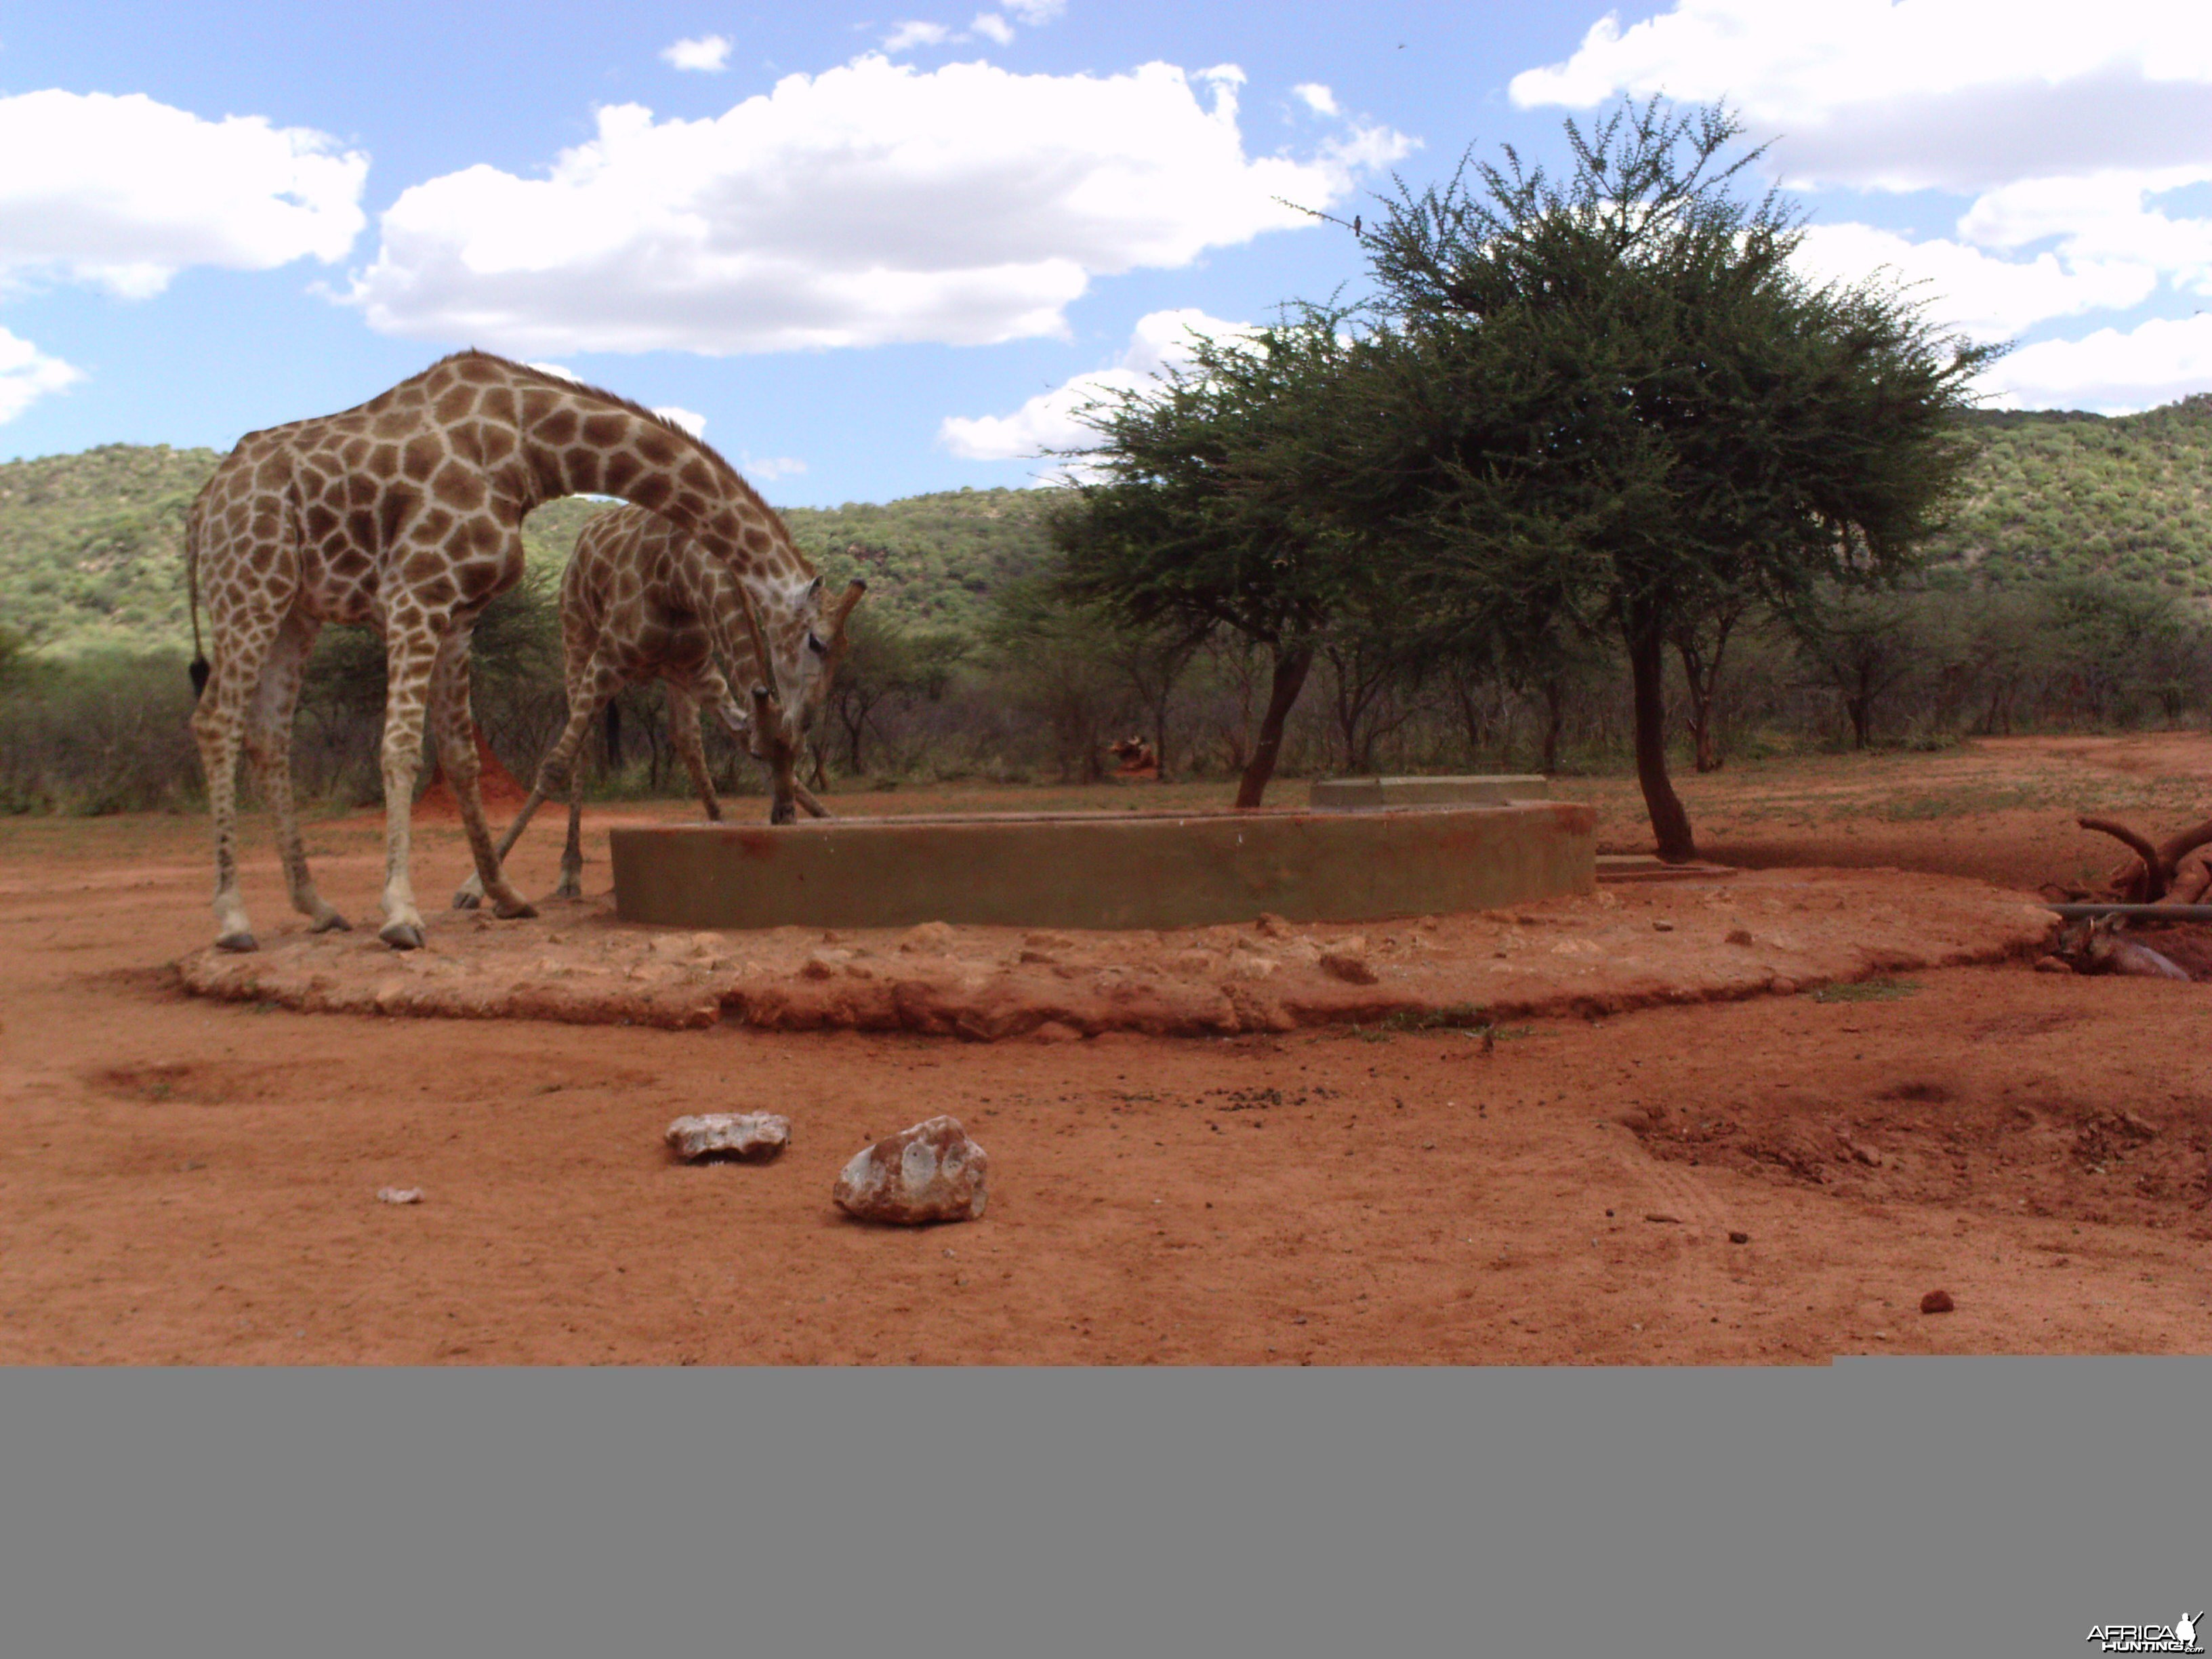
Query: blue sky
887	251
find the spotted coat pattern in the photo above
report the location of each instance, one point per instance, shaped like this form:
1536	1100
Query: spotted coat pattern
405	516
641	601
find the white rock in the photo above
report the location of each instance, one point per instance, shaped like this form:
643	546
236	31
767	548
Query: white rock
759	1135
932	1172
400	1194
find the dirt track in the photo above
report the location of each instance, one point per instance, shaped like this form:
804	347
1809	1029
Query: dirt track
188	1181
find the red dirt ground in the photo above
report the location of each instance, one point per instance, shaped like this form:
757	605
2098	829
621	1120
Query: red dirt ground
189	1180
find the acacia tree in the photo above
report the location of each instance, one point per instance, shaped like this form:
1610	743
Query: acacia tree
1205	510
1612	395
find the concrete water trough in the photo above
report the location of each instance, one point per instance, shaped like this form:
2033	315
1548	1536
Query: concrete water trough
1105	870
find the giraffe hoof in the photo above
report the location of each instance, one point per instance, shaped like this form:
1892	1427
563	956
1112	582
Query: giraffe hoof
569	889
401	935
239	942
514	910
467	899
332	923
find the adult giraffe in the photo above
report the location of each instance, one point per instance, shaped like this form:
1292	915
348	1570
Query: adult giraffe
405	514
638	603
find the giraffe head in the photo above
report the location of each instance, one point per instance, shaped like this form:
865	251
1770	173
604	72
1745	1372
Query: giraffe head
805	642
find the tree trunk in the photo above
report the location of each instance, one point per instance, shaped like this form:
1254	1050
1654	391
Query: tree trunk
1288	680
1647	662
614	738
1555	722
1702	674
1699	678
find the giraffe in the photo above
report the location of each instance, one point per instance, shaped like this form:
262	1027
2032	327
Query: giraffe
634	601
405	514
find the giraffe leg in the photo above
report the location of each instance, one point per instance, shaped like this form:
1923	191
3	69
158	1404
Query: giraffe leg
470	893
218	724
572	851
457	748
683	734
269	743
410	660
563	768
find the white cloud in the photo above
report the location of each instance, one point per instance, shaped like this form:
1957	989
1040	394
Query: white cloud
689	419
28	374
1050	421
122	192
1959	93
2062	122
993	27
1318	97
556	371
871	204
774	467
2101	216
710	53
1036	13
2112	373
907	36
1966	288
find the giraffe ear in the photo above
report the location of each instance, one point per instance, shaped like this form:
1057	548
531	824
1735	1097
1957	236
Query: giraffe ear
814	591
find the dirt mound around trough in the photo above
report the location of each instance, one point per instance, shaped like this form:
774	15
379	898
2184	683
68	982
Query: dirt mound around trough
1740	936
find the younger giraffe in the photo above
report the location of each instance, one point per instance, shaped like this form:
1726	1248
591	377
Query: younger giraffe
635	602
405	516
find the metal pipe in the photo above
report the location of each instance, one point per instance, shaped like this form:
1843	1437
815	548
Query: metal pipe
2159	912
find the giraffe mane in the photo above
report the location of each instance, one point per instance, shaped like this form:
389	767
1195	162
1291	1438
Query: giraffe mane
713	456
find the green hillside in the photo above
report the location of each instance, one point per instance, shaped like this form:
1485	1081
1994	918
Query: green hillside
931	561
89	543
2066	494
91	547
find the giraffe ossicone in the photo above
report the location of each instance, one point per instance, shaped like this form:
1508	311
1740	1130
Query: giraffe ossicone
405	514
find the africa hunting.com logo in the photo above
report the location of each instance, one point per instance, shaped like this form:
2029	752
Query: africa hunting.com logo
2179	1636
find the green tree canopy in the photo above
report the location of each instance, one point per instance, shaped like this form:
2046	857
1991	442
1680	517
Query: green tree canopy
1207	512
1611	396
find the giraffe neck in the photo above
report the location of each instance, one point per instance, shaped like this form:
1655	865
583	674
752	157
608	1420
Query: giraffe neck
580	444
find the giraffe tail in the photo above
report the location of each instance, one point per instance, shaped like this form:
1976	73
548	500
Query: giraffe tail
199	669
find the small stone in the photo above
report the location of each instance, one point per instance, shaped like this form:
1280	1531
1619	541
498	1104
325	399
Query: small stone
748	1135
932	1172
1782	988
1936	1302
1738	1238
1045	941
928	936
1272	925
1350	966
1661	1215
824	965
400	1194
1663	926
1739	936
2053	965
